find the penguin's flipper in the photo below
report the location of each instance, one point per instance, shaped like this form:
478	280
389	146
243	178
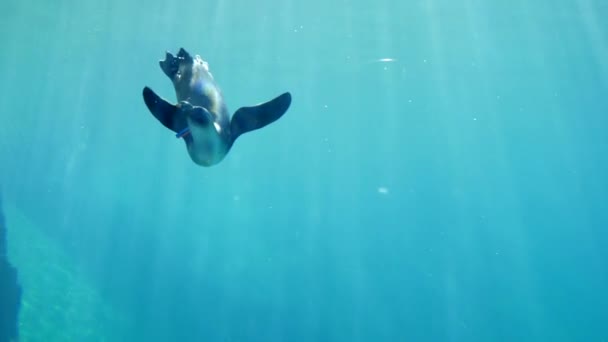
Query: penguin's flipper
160	108
247	119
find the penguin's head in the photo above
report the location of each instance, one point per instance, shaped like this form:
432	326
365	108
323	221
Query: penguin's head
179	67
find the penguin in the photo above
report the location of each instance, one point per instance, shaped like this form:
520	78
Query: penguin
200	116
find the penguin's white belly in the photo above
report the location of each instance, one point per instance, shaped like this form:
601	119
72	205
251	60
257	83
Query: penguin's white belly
207	147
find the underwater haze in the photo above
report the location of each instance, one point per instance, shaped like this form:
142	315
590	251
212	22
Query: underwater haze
441	174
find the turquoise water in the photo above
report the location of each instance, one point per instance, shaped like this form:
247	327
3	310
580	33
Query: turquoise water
440	175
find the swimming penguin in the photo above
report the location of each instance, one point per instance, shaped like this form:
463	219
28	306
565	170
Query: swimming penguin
200	116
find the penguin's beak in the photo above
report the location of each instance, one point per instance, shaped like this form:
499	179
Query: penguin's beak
184	55
170	65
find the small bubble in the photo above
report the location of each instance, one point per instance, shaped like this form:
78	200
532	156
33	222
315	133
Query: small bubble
383	190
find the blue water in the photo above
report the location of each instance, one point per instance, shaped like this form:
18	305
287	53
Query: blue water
440	175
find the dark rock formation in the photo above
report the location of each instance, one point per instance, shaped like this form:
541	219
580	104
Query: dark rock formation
10	291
